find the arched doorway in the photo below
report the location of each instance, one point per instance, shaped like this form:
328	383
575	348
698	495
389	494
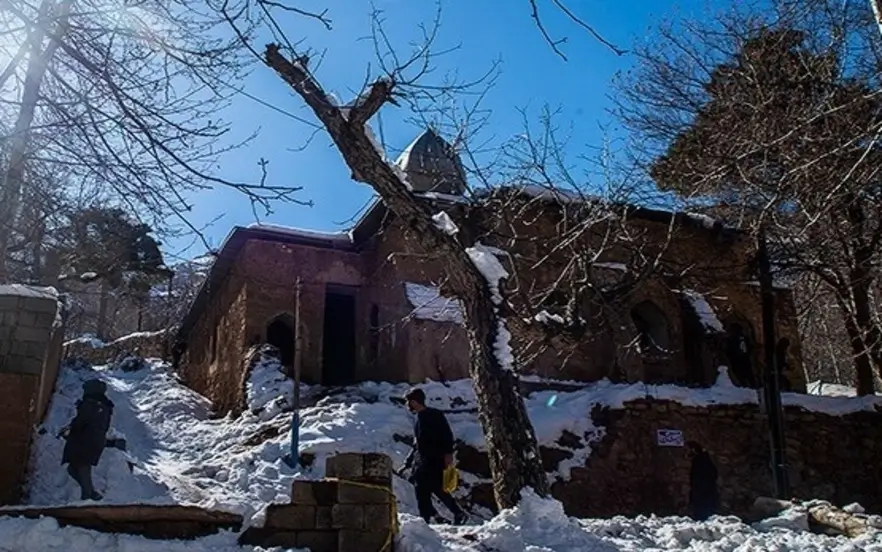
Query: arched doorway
653	329
280	333
740	346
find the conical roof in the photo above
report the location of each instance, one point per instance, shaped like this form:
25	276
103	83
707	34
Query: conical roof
431	165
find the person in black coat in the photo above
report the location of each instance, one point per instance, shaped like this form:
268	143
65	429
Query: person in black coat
87	436
703	492
432	453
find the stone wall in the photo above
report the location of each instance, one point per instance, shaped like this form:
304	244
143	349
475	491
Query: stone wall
391	345
143	344
833	458
30	343
213	360
351	510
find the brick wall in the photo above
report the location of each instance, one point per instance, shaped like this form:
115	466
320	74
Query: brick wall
833	458
261	287
212	363
30	346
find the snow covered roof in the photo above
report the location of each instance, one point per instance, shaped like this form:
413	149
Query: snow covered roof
233	244
429	304
24	290
345	237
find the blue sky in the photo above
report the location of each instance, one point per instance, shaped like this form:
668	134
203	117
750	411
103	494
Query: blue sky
486	30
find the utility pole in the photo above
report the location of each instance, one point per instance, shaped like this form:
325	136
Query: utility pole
293	457
772	389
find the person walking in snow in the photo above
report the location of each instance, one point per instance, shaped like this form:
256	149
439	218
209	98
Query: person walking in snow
431	454
87	436
703	492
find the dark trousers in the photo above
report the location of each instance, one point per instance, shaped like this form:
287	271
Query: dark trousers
428	482
82	474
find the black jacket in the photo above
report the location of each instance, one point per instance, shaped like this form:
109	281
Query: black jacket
88	431
433	440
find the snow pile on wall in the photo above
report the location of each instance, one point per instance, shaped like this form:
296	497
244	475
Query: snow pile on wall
268	389
24	290
704	311
429	304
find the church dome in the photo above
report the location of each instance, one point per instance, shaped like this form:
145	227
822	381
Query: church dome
431	165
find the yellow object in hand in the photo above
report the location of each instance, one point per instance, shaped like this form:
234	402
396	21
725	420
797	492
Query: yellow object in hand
451	479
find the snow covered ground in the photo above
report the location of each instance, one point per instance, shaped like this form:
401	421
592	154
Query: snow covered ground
180	454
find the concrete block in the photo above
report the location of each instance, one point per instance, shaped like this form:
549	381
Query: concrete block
323	518
365	541
349	466
295	517
321	541
18	363
38	350
268	538
45	319
353	493
9	302
302	492
378	468
30	333
347	516
39	304
325	492
377	516
26	318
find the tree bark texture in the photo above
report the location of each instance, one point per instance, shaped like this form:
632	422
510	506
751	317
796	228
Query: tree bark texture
863	330
13	177
511	441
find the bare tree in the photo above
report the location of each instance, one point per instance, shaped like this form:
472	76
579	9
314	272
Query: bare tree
125	98
507	323
772	119
876	6
571	16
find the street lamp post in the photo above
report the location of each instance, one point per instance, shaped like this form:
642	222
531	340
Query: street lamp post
293	457
772	388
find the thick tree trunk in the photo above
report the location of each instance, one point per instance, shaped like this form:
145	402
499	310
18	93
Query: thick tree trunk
511	441
513	449
13	178
862	365
863	331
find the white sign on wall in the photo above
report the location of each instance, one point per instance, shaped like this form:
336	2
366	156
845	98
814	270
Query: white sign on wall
669	438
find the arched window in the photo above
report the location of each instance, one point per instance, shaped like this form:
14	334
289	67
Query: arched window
280	333
740	350
652	328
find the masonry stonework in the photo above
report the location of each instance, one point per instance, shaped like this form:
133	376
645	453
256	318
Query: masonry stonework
829	458
352	509
30	349
252	289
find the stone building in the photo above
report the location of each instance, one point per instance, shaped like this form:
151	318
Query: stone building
31	333
673	296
